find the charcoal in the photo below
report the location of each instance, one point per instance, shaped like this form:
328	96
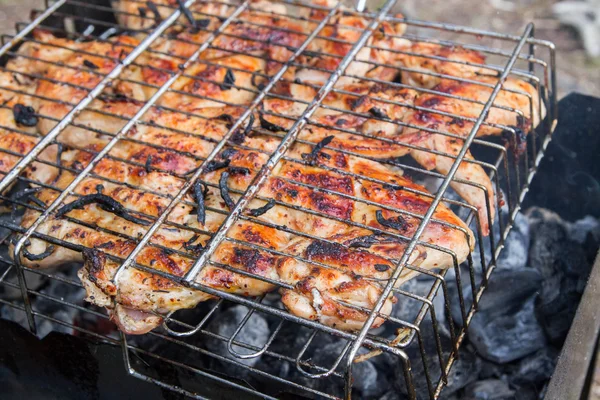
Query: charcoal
34	281
528	393
407	308
489	389
255	333
505	337
497	301
490	369
464	369
580	229
290	340
535	368
392	395
368	381
564	267
514	254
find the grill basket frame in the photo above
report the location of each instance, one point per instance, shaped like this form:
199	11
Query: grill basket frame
509	171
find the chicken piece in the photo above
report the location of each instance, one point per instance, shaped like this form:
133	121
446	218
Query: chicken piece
468	64
476	96
342	294
429	117
423	59
398	137
16	138
256	32
334	197
345	30
140	15
322	293
140	291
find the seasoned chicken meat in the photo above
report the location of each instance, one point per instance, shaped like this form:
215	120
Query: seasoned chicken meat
333	217
144	194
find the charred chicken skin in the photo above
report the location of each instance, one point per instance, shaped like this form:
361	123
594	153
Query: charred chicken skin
328	225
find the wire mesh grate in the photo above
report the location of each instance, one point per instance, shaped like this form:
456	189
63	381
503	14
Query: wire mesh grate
221	150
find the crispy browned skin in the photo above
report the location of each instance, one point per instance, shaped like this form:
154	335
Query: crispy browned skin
341	248
383	140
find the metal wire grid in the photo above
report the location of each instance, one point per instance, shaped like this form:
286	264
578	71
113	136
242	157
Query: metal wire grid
509	172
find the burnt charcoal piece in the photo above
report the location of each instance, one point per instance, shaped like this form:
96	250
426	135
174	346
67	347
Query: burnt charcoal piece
464	370
507	336
64	367
489	389
369	382
569	174
564	268
516	247
407	308
535	368
524	283
505	327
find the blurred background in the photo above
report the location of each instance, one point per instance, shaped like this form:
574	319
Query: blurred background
574	26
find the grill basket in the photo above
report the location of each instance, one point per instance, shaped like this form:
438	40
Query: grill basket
422	349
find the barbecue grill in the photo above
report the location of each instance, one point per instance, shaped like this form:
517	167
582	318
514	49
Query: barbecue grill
511	171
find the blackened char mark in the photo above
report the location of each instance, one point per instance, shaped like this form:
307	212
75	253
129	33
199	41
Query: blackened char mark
228	80
431	102
271	127
37	257
94	260
252	260
106	203
224	189
399	223
322	250
311	158
24	115
376	112
261	210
